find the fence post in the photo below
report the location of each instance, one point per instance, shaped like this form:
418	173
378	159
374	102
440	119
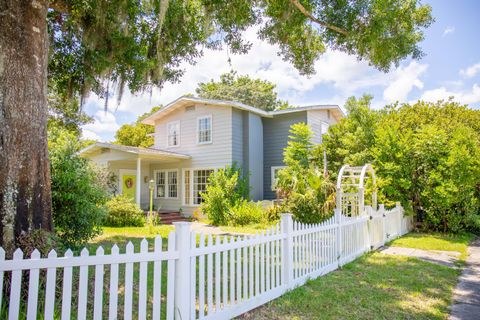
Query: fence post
182	270
338	220
286	225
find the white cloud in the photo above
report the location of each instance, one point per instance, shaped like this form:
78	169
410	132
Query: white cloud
448	30
471	71
87	134
104	123
403	81
467	97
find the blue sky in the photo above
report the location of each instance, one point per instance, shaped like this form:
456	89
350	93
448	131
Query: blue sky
451	67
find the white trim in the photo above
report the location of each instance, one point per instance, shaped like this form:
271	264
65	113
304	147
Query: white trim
121	172
191	204
272	175
211	129
167	185
176	122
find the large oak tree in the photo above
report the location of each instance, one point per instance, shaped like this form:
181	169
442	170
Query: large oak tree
102	46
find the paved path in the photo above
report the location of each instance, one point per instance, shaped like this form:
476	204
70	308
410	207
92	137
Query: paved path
446	258
467	293
200	227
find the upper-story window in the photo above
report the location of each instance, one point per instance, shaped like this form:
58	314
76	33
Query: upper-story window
173	133
204	130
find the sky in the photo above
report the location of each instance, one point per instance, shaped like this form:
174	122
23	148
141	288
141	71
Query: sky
450	67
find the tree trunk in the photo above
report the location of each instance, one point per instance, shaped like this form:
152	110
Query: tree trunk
25	195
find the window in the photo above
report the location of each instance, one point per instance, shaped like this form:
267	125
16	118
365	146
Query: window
160	184
173	134
274	177
186	186
204	130
200	182
166	184
195	183
323	130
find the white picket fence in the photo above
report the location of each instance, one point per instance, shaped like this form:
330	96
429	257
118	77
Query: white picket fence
206	277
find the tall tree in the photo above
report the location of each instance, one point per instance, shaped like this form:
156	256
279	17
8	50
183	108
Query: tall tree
137	133
102	46
254	92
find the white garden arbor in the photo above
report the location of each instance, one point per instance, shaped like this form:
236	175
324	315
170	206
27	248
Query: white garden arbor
352	185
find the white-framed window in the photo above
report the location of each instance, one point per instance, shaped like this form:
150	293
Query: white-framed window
195	182
274	176
173	134
166	184
323	130
204	129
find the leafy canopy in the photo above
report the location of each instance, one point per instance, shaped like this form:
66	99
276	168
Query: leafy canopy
253	92
426	155
137	133
103	46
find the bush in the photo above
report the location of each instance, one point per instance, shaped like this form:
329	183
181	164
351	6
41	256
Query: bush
78	194
246	212
227	187
123	212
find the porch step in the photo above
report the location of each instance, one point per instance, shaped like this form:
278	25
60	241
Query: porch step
170	216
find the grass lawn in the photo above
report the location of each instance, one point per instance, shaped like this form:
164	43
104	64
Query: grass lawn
436	241
376	286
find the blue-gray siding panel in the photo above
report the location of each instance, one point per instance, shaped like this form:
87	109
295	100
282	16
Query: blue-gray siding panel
275	133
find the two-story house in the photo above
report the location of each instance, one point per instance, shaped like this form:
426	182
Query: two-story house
193	137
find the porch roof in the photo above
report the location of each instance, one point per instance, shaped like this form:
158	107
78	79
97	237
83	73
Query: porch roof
141	152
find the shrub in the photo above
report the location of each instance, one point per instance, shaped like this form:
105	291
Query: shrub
78	194
309	194
227	187
246	212
123	212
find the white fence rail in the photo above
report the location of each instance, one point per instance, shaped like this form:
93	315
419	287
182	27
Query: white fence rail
206	277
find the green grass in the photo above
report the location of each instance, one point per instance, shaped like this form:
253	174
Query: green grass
376	286
436	241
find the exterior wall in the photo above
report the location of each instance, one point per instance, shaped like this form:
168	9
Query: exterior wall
238	132
315	118
275	139
215	154
254	156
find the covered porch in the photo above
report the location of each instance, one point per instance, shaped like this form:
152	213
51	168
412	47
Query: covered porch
134	167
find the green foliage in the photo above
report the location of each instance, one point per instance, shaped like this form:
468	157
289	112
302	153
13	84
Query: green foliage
253	92
136	134
99	45
123	212
246	212
78	194
227	187
309	194
426	155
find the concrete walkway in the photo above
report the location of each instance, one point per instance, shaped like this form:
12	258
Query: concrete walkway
466	297
445	258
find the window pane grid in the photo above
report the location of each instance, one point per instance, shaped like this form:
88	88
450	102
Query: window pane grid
187	187
172	184
173	134
160	184
200	182
204	130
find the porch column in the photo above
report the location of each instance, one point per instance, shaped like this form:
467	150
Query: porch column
139	181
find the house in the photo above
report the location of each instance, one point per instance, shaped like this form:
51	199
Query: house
193	137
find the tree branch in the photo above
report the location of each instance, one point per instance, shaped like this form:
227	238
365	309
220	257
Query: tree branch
307	14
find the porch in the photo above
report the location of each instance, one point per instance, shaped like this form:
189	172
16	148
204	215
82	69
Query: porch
134	167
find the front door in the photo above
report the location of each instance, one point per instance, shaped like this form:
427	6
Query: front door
128	185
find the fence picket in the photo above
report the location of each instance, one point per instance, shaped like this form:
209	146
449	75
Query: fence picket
157	280
83	288
218	274
15	288
238	273
251	280
232	272
142	285
2	259
33	289
267	262
128	298
98	303
170	277
225	274
210	277
112	306
245	273
50	287
201	280
257	265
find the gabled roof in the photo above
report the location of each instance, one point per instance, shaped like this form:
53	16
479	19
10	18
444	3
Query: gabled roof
185	101
135	150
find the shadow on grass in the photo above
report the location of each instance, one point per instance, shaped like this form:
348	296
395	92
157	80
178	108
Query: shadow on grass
375	286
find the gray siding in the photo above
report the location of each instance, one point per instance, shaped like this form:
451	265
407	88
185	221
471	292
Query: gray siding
255	156
275	133
237	137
